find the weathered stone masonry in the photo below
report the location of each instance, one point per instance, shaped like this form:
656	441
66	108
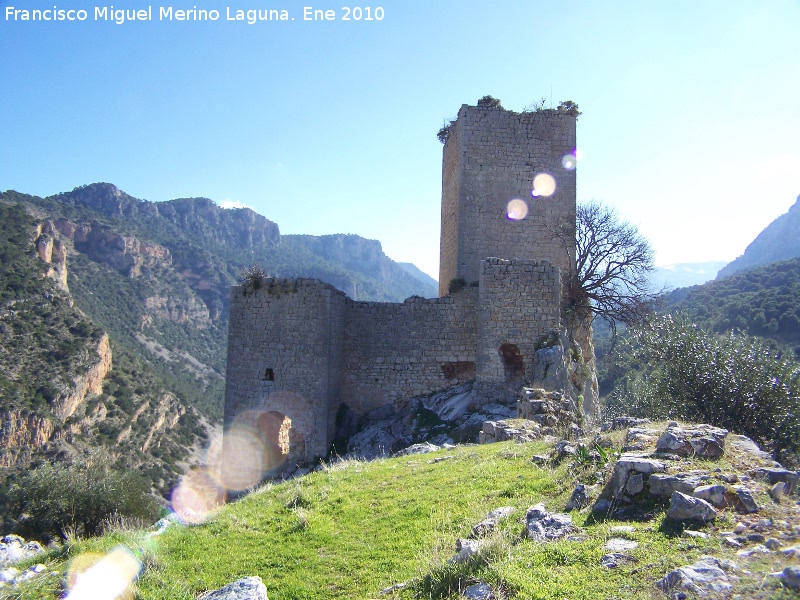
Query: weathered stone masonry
491	156
301	349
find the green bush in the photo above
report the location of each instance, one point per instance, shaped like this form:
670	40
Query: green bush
489	101
731	381
456	285
78	498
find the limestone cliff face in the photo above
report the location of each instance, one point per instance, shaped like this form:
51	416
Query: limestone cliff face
21	434
126	254
88	382
184	311
53	252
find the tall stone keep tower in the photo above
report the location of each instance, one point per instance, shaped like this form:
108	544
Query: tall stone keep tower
491	157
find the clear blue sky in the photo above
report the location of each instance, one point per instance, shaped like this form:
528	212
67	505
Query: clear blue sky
690	124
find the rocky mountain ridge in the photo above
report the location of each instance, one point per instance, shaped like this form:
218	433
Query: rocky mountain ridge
780	240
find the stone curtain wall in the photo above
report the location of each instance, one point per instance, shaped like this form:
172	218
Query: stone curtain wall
519	307
284	355
301	348
395	351
491	157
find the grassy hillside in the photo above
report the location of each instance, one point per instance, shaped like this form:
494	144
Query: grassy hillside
355	528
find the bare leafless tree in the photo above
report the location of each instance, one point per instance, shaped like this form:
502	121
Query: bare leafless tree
613	263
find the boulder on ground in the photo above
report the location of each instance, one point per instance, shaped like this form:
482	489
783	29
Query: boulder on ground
741	498
544	526
707	576
631	464
744	444
713	494
479	591
580	498
612	561
790	576
662	485
689	508
423	448
775	475
778	491
249	588
521	430
490	522
465	550
704	441
14	549
639	438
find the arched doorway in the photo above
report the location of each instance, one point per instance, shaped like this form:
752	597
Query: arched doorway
513	364
275	430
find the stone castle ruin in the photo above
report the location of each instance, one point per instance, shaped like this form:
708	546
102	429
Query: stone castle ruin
299	350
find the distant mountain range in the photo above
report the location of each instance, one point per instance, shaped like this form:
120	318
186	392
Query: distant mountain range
122	343
682	275
779	241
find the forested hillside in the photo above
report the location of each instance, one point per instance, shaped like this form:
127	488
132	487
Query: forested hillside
764	302
66	386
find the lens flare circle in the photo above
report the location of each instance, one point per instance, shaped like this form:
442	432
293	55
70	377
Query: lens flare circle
569	162
109	577
197	496
517	209
242	461
544	184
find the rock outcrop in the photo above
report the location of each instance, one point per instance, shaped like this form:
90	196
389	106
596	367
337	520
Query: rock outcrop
53	252
248	588
183	311
88	382
542	525
22	433
707	576
126	254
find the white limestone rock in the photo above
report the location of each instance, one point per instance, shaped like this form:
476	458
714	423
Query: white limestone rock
465	550
662	485
689	508
708	576
479	591
713	494
248	588
544	526
488	524
704	441
630	464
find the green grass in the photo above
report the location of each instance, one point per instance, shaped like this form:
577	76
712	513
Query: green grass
353	529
